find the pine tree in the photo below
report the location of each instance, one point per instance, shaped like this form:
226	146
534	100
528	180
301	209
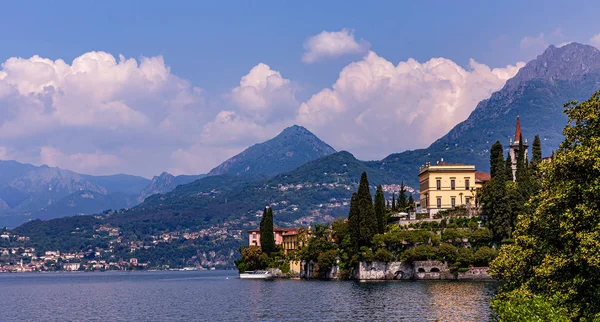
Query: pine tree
354	221
496	159
393	201
267	237
367	219
380	210
402	202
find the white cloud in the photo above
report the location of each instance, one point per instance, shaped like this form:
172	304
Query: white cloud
101	114
96	102
262	90
332	44
376	108
564	43
595	41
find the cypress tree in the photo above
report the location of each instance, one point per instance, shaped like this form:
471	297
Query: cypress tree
380	209
536	150
508	168
411	202
354	221
393	201
367	219
496	159
267	237
401	204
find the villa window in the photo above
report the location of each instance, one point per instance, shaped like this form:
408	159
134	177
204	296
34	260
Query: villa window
439	202
467	184
438	184
452	184
468	200
453	199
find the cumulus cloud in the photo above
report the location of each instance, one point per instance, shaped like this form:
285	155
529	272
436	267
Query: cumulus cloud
376	108
51	111
332	44
262	90
102	114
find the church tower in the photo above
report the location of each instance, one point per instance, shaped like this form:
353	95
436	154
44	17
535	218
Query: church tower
514	148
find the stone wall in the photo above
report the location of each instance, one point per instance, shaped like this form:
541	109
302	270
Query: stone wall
418	270
307	270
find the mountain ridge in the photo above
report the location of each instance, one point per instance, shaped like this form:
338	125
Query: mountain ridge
290	149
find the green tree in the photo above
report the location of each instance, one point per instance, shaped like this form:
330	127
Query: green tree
508	168
380	209
494	196
267	237
367	218
411	202
536	150
393	201
496	160
354	222
556	254
402	201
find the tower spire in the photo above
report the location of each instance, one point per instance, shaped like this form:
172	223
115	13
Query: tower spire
518	130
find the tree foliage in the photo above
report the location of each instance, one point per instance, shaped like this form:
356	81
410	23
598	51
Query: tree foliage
496	159
556	253
380	210
367	219
267	237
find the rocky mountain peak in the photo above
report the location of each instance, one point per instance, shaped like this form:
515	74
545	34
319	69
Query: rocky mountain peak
570	62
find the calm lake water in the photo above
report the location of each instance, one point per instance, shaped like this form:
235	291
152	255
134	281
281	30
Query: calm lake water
221	296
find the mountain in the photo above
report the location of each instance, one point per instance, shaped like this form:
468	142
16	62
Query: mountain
223	206
165	183
293	147
120	183
29	192
536	95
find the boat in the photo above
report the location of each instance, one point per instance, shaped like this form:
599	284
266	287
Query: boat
256	275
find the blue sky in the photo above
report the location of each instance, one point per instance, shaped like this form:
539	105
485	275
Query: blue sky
210	46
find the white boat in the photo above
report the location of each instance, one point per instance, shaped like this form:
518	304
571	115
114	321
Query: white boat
256	275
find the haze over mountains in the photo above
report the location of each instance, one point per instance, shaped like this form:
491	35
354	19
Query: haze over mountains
537	94
30	192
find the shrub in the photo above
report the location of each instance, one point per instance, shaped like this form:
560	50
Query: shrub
519	306
484	256
447	253
384	255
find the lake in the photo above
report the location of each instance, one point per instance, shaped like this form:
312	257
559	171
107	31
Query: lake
221	296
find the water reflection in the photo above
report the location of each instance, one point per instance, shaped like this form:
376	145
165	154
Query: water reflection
220	296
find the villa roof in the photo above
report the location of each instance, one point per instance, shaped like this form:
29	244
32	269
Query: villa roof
481	176
283	231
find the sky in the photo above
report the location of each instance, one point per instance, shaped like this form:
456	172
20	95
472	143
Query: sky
142	87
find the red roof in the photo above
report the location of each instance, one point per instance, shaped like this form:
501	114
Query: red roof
283	231
482	176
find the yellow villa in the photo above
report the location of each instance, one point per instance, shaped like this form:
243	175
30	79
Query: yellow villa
447	185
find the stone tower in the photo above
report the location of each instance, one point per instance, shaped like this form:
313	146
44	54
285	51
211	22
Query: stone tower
514	148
